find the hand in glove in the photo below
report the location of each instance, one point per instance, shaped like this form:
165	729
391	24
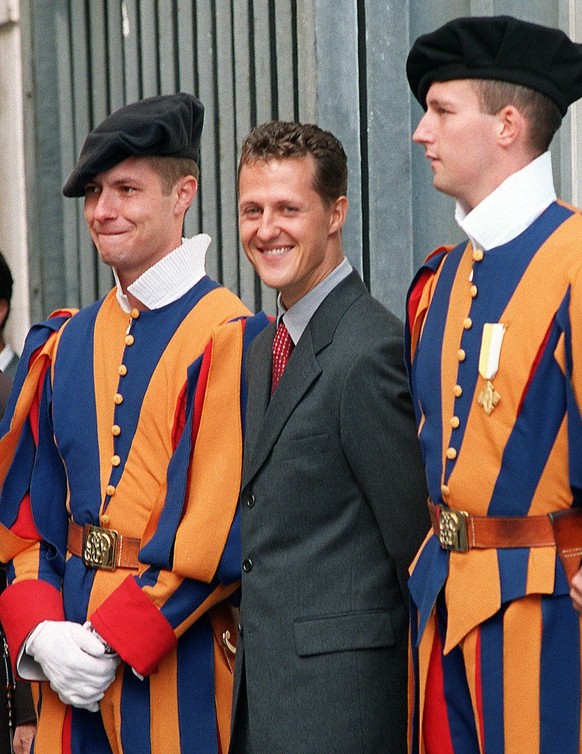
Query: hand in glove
74	660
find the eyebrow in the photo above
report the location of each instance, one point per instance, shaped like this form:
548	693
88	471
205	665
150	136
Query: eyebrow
439	99
123	179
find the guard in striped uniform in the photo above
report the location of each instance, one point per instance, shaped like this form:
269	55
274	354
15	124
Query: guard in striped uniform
495	356
121	453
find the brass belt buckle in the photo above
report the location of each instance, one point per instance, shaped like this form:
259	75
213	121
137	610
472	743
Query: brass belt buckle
453	530
100	547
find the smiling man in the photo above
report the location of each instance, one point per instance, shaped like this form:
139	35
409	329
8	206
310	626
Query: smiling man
121	460
333	496
495	335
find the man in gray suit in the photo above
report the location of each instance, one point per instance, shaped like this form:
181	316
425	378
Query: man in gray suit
333	498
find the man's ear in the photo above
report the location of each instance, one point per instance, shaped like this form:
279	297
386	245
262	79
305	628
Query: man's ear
338	212
510	125
4	309
186	189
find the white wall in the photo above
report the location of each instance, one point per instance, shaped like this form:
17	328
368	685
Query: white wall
13	240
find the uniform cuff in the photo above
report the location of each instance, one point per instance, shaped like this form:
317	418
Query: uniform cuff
135	628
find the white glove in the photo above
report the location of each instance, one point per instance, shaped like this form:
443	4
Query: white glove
74	660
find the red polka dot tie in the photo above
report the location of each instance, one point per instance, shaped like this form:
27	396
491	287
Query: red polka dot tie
282	347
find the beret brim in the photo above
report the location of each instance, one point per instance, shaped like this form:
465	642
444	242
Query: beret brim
166	125
501	48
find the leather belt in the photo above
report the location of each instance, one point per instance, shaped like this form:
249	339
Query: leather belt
458	531
106	549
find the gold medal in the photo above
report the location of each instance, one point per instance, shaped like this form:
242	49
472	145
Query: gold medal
488	398
491	342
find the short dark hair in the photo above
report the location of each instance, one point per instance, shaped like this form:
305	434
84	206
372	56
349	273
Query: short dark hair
6	283
542	114
279	140
171	169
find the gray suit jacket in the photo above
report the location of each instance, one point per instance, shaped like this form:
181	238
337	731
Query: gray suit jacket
333	511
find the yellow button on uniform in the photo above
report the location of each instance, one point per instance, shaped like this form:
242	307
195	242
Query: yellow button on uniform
134	313
104	520
461	354
116	430
115	461
451	454
122	370
444	490
473	291
455	421
129	340
467	323
478	255
458	391
110	490
118	399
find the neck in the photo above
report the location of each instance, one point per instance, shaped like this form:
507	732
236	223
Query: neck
134	302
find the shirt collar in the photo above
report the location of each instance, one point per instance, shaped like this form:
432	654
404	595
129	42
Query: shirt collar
297	316
6	355
171	277
512	207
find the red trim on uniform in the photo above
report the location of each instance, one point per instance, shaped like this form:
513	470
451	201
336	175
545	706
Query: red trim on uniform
62	313
201	390
67	739
179	417
446	247
415	295
24	525
479	689
535	365
23	606
130	622
435	725
35	406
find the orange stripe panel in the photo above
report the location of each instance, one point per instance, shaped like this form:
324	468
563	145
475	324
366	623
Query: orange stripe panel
164	724
522	631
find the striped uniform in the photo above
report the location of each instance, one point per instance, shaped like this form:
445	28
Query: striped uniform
496	627
132	422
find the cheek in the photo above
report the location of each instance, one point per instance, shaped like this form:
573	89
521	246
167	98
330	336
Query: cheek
249	241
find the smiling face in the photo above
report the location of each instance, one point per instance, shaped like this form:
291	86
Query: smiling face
290	236
132	222
460	141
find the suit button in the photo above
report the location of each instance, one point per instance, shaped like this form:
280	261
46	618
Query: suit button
251	501
240	629
247	565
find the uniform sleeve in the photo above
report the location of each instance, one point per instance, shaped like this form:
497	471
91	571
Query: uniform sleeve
192	553
383	450
32	536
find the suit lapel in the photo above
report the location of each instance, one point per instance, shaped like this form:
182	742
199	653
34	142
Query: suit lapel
271	414
259	387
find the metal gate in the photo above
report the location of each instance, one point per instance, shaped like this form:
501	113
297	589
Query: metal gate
339	63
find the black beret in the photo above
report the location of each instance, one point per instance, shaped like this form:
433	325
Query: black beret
502	48
169	125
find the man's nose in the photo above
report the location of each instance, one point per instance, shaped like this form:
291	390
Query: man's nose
421	134
268	226
104	206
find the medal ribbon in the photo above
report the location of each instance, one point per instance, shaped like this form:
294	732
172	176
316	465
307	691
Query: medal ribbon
490	349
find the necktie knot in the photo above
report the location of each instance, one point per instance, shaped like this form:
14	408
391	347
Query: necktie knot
282	347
